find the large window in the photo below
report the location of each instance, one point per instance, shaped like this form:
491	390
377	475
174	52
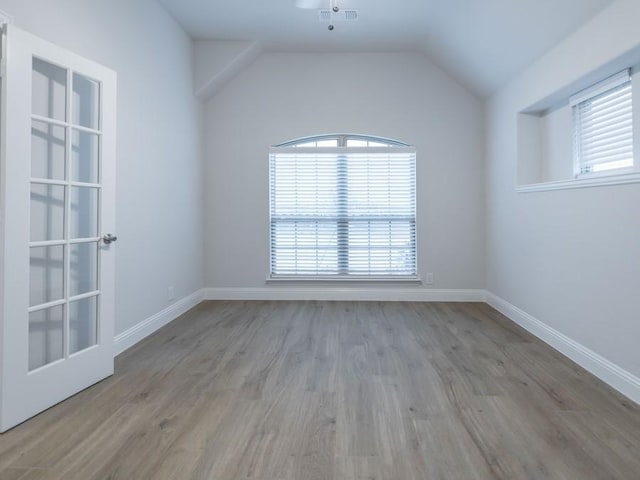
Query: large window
603	127
343	206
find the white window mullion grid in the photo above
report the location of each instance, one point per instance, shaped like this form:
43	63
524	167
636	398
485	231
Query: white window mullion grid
67	216
362	220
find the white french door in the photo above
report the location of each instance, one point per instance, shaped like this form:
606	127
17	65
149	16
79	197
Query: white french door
57	187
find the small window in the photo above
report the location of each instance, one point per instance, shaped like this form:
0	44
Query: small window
343	206
603	127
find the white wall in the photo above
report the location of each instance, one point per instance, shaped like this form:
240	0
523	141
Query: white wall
569	258
544	146
401	96
159	188
557	144
216	62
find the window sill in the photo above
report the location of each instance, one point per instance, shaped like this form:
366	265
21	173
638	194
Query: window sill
580	183
284	279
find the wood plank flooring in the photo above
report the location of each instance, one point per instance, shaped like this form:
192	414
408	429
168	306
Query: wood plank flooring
335	391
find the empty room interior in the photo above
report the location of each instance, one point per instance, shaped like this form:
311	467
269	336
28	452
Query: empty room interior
319	239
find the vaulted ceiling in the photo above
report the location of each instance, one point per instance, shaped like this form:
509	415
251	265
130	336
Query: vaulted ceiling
481	43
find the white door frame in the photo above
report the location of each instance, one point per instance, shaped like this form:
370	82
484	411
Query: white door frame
23	394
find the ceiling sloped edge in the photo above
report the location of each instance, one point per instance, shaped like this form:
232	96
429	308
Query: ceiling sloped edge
216	62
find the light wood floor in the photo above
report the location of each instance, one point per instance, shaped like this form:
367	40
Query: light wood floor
321	390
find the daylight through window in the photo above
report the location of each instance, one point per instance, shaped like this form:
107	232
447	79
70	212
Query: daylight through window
603	127
343	206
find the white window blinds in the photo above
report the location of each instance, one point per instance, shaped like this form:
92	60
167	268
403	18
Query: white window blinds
343	211
603	127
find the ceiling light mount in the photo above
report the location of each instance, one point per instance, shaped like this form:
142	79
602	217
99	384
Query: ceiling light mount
330	14
334	14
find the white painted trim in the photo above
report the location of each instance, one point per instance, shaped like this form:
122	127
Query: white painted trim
599	88
592	181
344	279
610	373
135	334
337	293
139	332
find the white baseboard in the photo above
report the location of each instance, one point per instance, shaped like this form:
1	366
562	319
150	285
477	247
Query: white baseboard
135	334
130	337
615	376
336	293
610	373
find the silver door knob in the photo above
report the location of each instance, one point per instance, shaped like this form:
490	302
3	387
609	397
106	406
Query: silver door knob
108	239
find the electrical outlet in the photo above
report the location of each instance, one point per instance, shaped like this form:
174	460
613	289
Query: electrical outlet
171	294
429	278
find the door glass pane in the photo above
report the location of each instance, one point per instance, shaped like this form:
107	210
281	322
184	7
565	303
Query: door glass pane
86	102
47	212
45	336
47	151
83	275
83	324
49	90
84	212
84	157
46	274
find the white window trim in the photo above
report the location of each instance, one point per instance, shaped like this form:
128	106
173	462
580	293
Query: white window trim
593	180
393	145
354	279
607	178
338	150
586	95
600	87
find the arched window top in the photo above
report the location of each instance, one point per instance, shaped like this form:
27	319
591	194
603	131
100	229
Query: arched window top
342	140
343	207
